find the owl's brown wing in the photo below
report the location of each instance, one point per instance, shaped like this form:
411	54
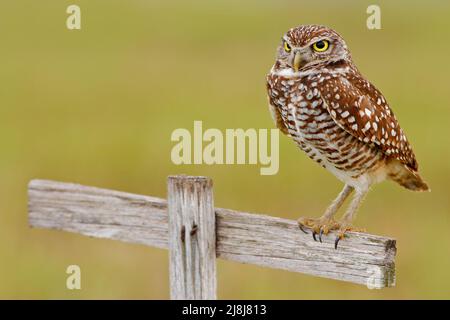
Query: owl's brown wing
361	110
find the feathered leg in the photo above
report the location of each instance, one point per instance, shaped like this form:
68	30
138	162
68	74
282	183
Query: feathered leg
346	222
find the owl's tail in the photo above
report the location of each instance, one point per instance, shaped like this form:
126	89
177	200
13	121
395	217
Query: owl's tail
406	177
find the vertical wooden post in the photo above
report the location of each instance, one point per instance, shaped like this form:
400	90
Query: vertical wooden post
192	238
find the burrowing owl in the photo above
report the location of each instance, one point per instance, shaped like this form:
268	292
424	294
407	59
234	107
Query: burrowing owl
318	97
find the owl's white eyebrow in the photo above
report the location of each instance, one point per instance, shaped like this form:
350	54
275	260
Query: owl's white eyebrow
314	40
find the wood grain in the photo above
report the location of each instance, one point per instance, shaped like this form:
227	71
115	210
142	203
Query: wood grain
248	238
192	238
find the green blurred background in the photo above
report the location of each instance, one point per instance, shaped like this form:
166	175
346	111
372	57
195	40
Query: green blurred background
97	107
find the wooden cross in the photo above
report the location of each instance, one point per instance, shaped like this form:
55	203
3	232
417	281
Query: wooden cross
195	232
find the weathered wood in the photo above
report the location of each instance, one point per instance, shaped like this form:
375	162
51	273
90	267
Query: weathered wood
249	238
192	238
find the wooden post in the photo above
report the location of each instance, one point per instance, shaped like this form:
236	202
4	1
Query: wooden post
192	238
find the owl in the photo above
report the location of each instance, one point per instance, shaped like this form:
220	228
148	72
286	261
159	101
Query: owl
318	97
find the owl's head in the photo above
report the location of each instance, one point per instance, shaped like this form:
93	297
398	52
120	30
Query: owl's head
310	45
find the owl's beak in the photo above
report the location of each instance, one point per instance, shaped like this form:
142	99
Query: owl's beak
297	61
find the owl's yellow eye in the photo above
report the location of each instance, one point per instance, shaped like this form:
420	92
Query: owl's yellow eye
321	46
287	47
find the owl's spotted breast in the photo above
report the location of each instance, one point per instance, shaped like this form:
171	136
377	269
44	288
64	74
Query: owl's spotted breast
304	114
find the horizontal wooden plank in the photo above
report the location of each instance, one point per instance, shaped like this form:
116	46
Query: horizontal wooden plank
244	237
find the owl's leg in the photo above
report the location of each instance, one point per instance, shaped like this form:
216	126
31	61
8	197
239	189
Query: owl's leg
346	223
326	222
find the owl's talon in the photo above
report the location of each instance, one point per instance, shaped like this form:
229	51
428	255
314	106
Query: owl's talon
344	227
320	235
314	235
340	236
301	228
336	241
